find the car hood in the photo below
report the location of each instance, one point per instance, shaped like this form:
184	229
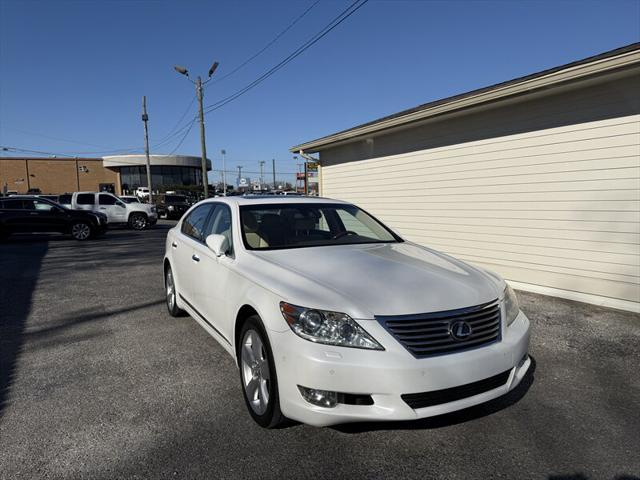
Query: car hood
379	279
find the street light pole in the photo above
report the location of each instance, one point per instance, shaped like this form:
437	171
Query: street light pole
262	162
224	177
273	168
199	93
239	174
145	119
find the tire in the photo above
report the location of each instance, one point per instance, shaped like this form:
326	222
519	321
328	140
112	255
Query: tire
171	294
138	221
81	231
258	377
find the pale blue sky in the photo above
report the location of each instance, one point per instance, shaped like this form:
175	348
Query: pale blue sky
72	73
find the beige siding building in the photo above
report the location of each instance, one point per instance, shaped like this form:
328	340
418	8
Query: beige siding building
537	178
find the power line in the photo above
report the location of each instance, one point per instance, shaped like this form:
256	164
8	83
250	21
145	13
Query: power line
354	7
50	137
249	171
67	140
175	127
176	134
350	10
183	138
274	40
39	152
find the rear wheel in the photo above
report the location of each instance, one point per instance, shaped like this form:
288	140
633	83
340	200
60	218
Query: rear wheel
258	375
138	221
172	294
81	231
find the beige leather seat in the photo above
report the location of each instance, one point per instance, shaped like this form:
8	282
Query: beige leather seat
250	225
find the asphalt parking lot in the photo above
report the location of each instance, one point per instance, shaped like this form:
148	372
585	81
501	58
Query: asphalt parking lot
98	381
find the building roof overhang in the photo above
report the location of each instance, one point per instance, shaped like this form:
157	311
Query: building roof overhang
117	161
613	60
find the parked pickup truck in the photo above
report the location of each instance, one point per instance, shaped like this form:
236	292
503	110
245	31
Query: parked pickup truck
136	215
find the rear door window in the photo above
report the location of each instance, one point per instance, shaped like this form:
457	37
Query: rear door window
104	199
43	206
86	199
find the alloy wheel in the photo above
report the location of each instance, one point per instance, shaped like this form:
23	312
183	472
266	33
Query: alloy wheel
171	291
139	222
80	231
256	376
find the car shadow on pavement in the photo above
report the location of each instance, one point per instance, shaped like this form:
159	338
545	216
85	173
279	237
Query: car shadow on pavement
580	476
19	273
449	419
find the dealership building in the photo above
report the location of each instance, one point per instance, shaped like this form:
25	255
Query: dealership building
536	178
116	173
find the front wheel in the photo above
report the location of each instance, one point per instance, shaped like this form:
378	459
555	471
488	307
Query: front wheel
81	231
138	221
258	375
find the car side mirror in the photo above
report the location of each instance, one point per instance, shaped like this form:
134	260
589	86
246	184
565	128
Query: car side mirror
218	244
121	205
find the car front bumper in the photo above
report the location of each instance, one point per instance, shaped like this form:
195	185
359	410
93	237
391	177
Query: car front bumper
386	375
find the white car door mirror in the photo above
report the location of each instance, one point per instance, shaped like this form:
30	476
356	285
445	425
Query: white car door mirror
218	244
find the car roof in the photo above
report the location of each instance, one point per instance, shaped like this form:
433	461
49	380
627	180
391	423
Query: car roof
24	197
272	199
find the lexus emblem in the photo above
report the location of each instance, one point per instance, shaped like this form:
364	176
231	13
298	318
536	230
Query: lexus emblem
460	330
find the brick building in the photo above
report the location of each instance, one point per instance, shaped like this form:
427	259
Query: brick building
116	173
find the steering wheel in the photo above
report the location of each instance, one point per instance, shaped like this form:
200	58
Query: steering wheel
342	234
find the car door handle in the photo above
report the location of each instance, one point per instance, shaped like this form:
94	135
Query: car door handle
195	258
33	213
103	208
174	244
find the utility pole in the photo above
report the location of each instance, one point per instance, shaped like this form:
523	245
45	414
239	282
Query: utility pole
198	83
239	174
224	177
262	162
145	119
273	168
203	146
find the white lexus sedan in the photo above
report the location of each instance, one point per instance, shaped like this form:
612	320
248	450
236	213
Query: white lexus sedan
332	317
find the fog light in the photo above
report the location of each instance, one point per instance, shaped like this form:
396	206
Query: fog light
321	398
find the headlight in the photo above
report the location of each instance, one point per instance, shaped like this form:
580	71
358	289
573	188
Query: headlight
153	209
511	308
331	328
170	207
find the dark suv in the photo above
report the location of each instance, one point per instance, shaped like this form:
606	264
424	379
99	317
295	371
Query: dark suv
171	206
26	214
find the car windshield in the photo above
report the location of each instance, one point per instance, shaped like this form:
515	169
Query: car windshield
278	226
175	199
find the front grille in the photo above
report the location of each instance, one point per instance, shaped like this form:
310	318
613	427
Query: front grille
438	397
430	334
